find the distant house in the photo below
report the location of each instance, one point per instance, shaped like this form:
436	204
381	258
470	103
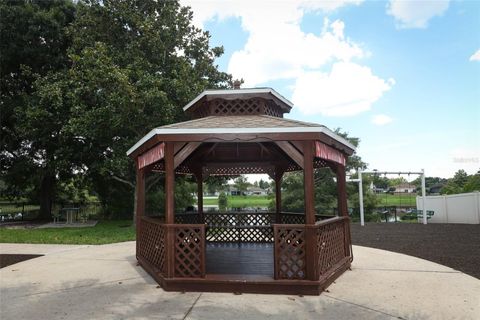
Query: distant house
234	191
376	189
256	191
405	188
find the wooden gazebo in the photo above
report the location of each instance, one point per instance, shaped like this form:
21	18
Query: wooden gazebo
233	132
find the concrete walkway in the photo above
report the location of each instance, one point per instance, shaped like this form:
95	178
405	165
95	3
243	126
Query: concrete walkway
104	282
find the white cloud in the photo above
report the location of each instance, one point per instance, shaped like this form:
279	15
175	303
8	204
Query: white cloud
381	119
416	14
277	48
475	56
287	51
347	90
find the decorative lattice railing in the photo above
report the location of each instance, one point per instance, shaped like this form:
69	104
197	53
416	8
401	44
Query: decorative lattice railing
309	252
151	244
184	244
333	244
251	227
290	252
329	241
189	250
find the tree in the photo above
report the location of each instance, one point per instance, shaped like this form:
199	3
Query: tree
241	183
473	183
215	183
33	46
97	77
222	201
456	184
325	185
263	184
165	60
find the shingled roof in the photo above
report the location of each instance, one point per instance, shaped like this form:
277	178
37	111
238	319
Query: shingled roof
241	121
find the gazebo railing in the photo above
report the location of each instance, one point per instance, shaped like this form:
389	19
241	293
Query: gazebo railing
172	250
301	252
250	227
331	243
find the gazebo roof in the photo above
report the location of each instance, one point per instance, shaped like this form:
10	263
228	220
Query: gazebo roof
244	124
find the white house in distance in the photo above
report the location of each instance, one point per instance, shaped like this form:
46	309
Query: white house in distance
256	191
405	188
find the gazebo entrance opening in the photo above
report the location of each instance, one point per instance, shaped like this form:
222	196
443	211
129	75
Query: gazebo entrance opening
238	132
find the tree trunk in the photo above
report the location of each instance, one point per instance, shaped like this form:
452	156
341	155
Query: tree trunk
47	190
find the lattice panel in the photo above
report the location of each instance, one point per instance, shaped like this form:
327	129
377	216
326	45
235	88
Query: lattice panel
189	252
184	168
273	110
236	107
151	246
188	218
255	219
290	253
220	219
256	234
330	245
235	171
293	218
240	227
202	111
223	234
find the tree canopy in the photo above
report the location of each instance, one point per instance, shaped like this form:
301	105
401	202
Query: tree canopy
83	81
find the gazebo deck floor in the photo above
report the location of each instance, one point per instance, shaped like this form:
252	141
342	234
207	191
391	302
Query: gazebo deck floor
240	260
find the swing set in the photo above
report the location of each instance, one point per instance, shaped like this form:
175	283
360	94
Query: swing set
359	180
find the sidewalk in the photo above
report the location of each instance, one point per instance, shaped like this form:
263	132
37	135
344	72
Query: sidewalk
104	282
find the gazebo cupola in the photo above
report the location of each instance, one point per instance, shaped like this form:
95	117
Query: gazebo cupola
234	132
257	101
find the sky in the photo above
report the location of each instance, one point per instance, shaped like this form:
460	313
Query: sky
403	76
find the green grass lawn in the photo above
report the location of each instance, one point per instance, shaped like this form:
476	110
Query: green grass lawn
241	201
396	200
104	232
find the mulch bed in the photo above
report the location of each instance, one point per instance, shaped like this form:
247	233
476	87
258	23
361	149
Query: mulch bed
9	259
454	245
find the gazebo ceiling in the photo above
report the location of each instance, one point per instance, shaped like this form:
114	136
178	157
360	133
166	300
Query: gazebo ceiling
229	159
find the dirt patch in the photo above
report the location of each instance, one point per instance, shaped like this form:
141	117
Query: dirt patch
9	259
454	245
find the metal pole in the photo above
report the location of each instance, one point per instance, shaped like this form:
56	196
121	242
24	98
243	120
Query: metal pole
423	198
360	197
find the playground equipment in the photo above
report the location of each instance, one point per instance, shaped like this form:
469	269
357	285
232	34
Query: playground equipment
360	189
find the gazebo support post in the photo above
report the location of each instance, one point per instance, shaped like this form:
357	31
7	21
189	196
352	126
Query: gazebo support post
278	195
169	207
199	178
309	187
140	208
341	191
169	184
308	179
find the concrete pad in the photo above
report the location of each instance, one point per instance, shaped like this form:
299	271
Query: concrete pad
27	248
104	282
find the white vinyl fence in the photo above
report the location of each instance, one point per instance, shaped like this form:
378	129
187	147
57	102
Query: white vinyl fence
456	208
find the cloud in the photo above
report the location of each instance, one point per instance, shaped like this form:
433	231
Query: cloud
320	64
253	12
416	14
347	90
381	119
286	52
475	56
